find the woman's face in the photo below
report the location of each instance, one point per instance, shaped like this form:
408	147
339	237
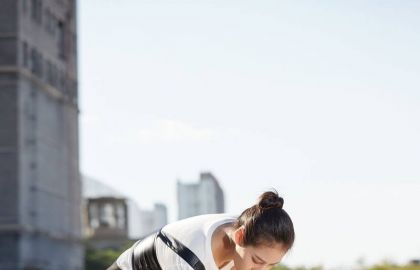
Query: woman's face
257	257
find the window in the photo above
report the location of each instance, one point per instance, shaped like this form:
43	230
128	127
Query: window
33	60
54	24
36	63
36	10
61	40
40	66
72	43
50	22
24	6
33	9
47	20
61	80
25	54
48	72
54	76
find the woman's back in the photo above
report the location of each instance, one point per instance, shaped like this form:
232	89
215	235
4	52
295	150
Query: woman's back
195	233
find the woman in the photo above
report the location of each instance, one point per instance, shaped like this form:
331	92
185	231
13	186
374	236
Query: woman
257	239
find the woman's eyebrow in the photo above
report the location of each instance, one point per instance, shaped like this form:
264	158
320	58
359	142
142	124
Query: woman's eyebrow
262	261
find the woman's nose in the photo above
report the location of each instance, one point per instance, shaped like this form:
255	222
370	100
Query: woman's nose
262	267
259	267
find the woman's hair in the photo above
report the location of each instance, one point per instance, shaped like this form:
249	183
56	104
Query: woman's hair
266	222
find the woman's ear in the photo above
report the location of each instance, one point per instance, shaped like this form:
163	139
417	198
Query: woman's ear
238	236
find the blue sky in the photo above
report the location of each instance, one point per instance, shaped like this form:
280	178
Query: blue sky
318	100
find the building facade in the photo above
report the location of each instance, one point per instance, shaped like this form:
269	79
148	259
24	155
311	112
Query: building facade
40	198
110	217
204	197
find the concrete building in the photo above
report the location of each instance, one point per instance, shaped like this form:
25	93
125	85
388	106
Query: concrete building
40	225
110	217
106	222
204	197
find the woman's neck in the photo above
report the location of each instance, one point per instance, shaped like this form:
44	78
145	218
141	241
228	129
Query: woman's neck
222	245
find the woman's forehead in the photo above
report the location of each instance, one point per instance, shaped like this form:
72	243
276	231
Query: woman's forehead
269	254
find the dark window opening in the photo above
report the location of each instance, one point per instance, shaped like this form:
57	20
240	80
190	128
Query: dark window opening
61	40
36	10
25	54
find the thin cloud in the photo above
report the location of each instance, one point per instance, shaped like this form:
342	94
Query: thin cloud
170	131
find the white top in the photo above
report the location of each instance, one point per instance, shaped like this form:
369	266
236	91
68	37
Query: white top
195	233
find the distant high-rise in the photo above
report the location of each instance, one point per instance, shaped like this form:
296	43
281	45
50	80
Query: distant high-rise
40	200
204	197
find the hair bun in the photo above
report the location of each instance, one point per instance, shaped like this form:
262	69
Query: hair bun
270	199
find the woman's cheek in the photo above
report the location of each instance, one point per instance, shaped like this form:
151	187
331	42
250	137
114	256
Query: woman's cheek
248	263
239	261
